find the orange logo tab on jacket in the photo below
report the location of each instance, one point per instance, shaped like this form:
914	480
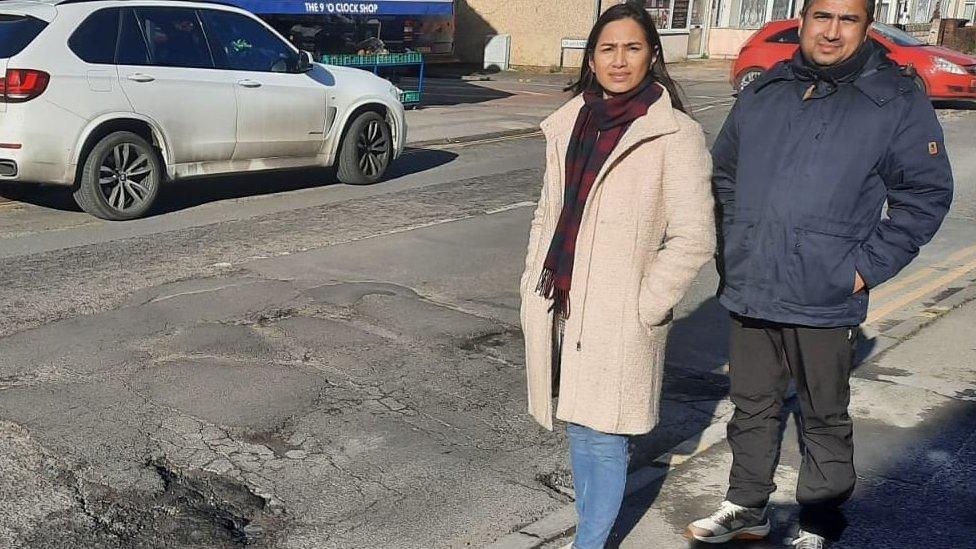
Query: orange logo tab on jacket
933	148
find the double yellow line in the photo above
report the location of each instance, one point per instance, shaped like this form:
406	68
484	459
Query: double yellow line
904	284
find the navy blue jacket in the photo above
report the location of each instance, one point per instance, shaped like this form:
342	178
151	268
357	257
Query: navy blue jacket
802	185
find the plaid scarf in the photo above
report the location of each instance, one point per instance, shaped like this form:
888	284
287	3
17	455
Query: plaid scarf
599	126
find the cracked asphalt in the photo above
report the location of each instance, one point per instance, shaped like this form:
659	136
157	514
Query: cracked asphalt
234	406
348	374
313	366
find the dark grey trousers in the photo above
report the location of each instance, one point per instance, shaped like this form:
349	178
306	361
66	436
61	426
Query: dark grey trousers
763	356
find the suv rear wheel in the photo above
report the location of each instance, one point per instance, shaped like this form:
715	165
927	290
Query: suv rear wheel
366	150
120	178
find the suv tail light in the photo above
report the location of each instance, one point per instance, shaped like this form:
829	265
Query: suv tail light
20	85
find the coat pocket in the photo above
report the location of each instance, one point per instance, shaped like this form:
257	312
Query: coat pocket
735	246
821	268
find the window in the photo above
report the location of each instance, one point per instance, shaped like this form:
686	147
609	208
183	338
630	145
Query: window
16	31
672	14
788	36
94	41
781	10
132	44
923	12
884	10
241	43
969	11
174	37
753	14
660	11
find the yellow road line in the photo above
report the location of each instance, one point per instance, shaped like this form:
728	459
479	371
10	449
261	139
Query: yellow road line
891	306
899	283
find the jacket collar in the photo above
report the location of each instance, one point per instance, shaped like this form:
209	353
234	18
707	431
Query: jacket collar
880	80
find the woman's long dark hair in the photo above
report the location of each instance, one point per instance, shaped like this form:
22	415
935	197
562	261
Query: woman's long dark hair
657	70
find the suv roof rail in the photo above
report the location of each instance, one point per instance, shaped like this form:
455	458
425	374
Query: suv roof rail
217	2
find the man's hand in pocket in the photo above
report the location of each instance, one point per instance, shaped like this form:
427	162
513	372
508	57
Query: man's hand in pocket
858	282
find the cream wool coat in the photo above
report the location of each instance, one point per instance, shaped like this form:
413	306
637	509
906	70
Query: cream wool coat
646	231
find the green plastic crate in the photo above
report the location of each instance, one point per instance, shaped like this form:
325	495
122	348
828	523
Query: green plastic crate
410	96
350	60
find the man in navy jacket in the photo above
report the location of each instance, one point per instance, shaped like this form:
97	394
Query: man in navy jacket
809	156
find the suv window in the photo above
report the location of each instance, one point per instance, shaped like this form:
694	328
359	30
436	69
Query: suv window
132	43
788	36
174	37
95	39
16	31
241	43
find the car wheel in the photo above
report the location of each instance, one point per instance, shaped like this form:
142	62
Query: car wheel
747	77
120	177
366	150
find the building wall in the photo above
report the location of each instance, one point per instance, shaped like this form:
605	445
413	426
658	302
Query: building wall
536	28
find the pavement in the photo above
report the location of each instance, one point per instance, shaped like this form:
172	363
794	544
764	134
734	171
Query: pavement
461	103
914	411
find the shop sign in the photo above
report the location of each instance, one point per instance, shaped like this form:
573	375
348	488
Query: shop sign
343	8
348	7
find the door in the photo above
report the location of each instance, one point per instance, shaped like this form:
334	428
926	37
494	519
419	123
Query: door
167	72
281	111
696	32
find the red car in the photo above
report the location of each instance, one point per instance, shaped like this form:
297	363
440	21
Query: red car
941	72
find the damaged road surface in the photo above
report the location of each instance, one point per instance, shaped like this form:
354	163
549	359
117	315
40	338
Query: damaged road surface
346	375
220	387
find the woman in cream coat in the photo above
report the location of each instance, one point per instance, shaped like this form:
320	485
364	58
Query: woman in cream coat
623	224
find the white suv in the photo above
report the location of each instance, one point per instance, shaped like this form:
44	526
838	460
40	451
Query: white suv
113	97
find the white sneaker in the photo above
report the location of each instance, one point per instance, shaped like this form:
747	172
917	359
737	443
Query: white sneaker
809	540
730	522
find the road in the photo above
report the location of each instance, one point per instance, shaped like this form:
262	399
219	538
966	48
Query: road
279	361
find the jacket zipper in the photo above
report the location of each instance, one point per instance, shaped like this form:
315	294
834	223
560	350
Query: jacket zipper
614	158
589	265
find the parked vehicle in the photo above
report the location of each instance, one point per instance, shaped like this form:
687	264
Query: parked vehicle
941	72
114	97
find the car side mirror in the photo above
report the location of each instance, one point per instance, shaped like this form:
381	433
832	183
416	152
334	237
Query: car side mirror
304	61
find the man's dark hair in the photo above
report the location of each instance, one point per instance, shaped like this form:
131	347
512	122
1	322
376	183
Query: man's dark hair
869	5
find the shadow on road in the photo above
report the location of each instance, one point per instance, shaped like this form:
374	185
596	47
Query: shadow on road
690	398
957	105
693	388
442	92
53	197
188	193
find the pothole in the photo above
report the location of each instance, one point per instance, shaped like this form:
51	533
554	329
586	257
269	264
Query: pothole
560	480
490	342
271	440
192	510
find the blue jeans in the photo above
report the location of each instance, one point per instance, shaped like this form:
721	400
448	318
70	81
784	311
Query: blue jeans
599	463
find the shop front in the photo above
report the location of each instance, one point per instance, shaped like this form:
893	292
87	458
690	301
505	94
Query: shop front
680	24
361	27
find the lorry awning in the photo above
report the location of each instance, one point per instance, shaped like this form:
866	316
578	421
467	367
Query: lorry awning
347	7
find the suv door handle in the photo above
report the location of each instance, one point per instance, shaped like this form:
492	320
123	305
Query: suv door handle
140	77
248	84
